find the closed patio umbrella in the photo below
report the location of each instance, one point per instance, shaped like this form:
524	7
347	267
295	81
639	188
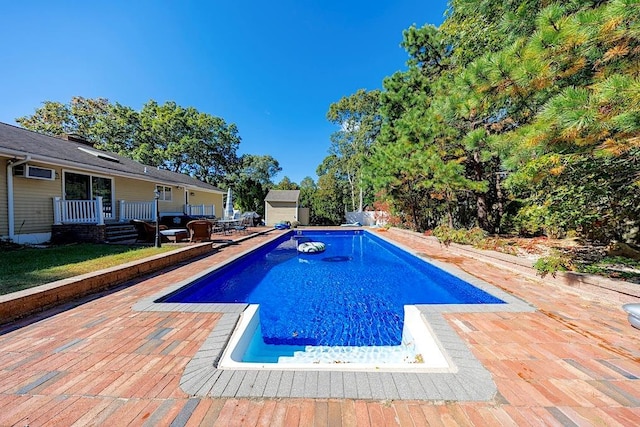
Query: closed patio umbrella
228	212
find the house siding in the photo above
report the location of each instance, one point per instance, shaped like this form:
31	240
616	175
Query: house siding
280	211
33	202
205	198
131	190
4	217
177	201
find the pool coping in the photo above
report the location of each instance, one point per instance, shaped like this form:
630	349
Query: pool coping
470	381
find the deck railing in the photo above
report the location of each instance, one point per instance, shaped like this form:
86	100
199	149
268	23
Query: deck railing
200	210
145	211
78	211
94	212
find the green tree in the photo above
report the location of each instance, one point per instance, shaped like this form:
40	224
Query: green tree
331	197
546	93
286	184
308	195
187	141
168	136
252	181
586	122
359	119
57	119
117	131
416	160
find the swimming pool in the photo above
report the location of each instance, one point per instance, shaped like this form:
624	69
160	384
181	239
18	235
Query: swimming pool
353	294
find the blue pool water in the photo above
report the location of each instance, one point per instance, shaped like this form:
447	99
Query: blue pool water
353	294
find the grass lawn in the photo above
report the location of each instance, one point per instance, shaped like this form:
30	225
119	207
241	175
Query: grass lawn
25	267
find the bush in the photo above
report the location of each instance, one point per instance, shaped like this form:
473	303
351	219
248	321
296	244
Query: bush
530	220
551	264
497	244
447	235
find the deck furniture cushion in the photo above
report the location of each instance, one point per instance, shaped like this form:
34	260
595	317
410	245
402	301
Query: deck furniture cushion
175	234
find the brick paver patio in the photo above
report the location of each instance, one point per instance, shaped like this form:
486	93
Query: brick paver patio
575	360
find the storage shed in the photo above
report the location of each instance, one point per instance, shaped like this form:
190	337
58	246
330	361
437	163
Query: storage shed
283	205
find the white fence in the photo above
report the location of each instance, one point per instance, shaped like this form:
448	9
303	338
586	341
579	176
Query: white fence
78	211
367	218
200	210
145	211
93	212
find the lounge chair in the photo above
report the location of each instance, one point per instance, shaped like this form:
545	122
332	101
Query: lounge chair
147	231
199	230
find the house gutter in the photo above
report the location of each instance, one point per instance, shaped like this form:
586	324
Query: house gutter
10	204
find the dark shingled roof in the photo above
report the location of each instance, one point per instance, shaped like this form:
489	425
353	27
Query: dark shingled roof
15	141
282	196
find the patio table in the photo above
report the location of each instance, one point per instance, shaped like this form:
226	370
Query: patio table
227	224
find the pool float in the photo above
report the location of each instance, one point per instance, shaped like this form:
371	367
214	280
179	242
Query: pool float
311	247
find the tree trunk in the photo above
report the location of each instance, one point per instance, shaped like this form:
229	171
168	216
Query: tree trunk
500	213
449	201
353	193
483	215
481	198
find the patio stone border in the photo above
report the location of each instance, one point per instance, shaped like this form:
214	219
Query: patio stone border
468	381
585	282
17	305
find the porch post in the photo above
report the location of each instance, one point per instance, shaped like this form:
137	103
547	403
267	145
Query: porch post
57	218
99	212
156	215
121	211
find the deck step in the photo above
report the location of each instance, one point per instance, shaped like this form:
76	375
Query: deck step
120	232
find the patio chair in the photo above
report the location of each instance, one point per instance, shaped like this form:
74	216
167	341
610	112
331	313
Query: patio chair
199	230
147	232
216	227
244	225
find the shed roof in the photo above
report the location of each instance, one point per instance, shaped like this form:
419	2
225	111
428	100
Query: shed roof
282	196
18	142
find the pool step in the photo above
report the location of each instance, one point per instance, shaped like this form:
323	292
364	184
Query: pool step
345	354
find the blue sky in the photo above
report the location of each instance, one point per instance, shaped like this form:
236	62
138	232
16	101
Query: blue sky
272	68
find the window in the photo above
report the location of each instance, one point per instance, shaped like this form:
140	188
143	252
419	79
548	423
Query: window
77	186
87	187
164	192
